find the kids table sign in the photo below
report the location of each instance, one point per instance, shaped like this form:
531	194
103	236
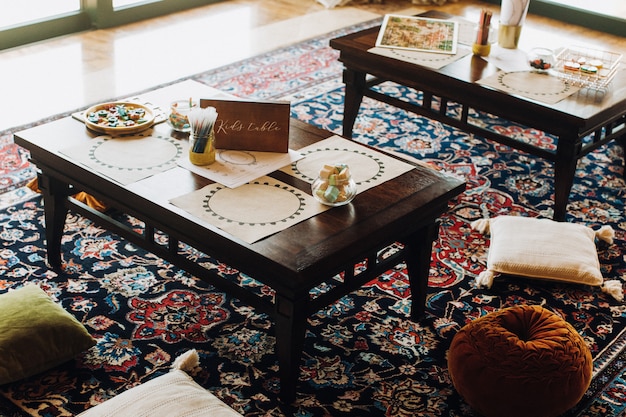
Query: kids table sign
251	125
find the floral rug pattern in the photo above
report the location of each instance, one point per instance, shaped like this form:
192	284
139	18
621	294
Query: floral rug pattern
363	356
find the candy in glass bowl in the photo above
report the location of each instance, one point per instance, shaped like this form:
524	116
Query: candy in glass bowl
541	59
334	186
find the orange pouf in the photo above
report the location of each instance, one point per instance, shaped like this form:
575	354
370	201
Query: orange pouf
520	361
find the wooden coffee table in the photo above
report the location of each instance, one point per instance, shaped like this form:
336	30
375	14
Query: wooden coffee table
570	120
291	262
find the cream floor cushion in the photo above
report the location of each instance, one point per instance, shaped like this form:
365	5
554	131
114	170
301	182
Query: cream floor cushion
174	394
545	249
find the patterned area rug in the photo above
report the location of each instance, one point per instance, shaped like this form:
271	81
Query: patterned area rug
362	355
15	169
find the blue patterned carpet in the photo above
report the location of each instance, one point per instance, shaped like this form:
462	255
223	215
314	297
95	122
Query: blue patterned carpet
362	355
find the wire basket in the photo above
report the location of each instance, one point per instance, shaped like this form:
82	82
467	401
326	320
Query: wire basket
598	79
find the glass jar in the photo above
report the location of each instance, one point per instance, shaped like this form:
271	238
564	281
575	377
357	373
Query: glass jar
334	186
541	59
177	118
483	39
202	149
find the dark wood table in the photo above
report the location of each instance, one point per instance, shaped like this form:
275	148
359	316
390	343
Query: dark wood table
292	262
601	115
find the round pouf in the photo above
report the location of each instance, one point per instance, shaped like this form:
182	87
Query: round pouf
520	361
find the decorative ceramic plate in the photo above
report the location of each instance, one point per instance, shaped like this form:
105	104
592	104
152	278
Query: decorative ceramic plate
119	118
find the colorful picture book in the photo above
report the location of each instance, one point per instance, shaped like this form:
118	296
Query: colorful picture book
418	34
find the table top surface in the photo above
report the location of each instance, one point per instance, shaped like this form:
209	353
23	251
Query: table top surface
291	258
458	81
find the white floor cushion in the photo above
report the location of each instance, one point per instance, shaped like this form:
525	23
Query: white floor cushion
174	394
545	249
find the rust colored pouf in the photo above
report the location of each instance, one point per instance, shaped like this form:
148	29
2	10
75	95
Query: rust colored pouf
520	361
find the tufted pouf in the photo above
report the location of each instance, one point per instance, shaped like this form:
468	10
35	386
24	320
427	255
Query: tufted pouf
520	361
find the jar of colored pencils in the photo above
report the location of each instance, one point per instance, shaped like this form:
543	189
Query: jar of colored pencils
484	40
202	135
483	35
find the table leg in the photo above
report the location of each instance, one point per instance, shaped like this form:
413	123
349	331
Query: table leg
564	171
290	330
355	86
622	142
419	254
55	211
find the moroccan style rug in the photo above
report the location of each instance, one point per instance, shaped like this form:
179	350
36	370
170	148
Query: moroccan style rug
363	356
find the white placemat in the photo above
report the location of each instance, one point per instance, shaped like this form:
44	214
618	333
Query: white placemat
368	167
266	206
425	59
252	211
533	85
126	159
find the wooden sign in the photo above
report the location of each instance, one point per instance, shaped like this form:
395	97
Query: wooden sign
251	125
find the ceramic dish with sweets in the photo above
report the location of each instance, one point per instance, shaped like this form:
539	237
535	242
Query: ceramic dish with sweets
119	118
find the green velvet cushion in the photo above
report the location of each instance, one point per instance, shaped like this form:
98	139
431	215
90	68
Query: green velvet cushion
36	334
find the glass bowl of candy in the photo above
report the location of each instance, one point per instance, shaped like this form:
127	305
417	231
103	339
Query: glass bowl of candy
541	59
177	118
334	186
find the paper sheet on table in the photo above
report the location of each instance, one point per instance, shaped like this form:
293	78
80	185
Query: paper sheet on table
529	84
368	167
265	205
425	59
508	60
467	30
127	159
234	168
253	211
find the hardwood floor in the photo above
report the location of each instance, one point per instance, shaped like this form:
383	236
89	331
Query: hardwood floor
74	71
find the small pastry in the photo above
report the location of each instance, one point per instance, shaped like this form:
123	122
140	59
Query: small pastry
571	66
589	69
596	63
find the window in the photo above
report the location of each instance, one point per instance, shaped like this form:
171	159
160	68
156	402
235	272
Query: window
34	20
123	3
607	16
605	7
13	14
